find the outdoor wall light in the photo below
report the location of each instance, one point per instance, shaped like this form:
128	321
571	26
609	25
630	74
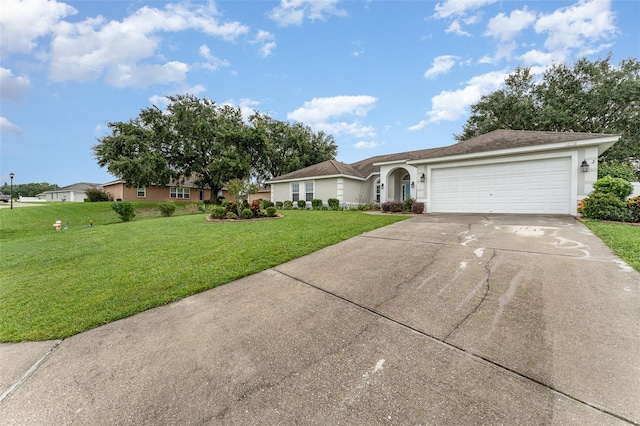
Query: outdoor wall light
422	177
382	186
413	184
584	167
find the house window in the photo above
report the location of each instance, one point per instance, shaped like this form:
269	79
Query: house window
142	192
378	191
180	193
295	192
308	190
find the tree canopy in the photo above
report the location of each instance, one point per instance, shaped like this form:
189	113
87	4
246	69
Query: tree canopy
196	139
28	189
595	97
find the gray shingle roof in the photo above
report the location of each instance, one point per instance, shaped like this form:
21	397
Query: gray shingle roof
492	141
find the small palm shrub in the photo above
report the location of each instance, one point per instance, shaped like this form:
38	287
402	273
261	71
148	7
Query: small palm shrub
218	212
334	203
302	204
167	209
271	211
124	209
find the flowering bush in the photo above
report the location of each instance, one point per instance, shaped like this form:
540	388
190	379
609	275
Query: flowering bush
393	206
417	207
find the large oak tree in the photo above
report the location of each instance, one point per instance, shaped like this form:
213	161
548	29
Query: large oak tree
589	96
197	139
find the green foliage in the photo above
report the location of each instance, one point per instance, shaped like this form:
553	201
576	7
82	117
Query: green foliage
239	190
316	204
596	97
417	207
247	214
279	205
289	146
605	206
27	189
96	195
231	215
617	169
266	204
633	204
218	212
167	209
287	205
622	238
271	211
124	209
407	204
302	204
615	186
334	203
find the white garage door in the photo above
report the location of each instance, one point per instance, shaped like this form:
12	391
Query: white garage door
538	186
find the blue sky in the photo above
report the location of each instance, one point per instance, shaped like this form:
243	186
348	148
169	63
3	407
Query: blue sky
380	76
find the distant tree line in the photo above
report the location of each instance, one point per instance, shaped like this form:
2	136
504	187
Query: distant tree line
196	138
27	189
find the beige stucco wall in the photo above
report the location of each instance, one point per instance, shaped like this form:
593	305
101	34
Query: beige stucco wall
346	190
119	191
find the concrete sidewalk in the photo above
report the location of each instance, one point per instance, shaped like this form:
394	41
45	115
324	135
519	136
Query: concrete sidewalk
440	319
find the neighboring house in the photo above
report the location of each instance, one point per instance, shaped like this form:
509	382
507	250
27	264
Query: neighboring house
505	171
184	191
75	193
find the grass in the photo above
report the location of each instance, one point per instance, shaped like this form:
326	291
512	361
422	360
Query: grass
623	239
55	284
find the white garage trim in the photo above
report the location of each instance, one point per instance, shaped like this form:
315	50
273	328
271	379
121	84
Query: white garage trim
544	183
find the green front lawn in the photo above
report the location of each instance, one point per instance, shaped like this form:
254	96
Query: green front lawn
623	239
58	283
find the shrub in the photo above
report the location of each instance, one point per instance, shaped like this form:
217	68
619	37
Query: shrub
95	195
124	209
316	204
617	170
271	211
407	204
302	204
633	204
231	215
393	206
417	207
218	212
616	186
288	205
605	206
267	204
167	209
279	205
247	214
334	203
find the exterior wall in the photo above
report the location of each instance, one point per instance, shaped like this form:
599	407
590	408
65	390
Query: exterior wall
119	191
66	196
391	176
349	191
358	192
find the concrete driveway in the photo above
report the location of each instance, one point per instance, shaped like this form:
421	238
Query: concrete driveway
440	319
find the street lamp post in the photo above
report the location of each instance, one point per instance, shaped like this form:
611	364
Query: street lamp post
11	175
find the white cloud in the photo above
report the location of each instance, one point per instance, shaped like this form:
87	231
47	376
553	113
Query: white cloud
440	65
294	12
213	63
23	22
505	28
366	145
88	49
536	57
267	43
458	7
452	105
324	113
321	109
13	87
577	26
455	28
8	127
246	105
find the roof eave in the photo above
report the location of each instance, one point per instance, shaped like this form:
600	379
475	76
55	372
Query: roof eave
300	179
